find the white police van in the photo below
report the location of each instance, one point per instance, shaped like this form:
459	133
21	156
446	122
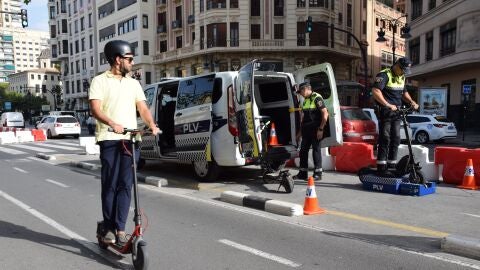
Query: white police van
220	119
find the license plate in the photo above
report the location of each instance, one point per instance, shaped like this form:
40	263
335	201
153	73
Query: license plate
367	137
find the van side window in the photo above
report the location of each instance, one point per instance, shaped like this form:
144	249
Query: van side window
217	90
195	92
244	95
150	95
320	84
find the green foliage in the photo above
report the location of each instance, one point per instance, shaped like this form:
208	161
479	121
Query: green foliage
27	2
23	103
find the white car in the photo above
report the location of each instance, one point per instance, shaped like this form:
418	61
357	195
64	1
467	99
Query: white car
428	127
371	113
60	125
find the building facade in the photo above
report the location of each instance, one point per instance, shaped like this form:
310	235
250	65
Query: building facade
27	46
445	50
74	47
10	20
7	64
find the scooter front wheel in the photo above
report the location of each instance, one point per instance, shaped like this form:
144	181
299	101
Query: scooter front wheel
140	258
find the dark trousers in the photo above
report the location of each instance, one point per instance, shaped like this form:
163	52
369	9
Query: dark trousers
117	181
309	138
389	136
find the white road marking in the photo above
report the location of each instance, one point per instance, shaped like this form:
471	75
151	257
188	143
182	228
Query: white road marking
472	215
67	143
11	151
56	183
70	234
20	170
38	149
259	253
60	146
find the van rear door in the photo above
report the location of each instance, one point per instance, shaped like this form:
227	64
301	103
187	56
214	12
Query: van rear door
323	82
247	112
193	117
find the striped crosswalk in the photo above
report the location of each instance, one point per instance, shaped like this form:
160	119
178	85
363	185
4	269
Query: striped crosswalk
48	147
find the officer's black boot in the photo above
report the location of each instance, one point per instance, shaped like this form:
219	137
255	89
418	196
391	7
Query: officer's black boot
381	169
302	175
317	174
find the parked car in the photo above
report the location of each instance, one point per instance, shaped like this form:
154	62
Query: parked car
426	127
60	125
357	126
371	113
12	119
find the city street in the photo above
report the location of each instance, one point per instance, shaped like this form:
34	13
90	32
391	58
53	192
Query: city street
50	210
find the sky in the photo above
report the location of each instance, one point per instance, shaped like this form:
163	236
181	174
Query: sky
37	15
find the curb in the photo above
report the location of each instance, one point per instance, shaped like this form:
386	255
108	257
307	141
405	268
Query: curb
461	245
260	203
156	181
84	165
46	157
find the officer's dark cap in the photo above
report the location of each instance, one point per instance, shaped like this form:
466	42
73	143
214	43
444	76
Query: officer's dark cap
404	63
302	85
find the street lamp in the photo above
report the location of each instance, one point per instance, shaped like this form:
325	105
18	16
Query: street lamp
393	23
56	90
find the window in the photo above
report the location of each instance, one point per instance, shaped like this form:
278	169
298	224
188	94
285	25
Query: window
106	9
416	8
178	42
145	21
278	8
278	31
90	41
77	47
145	47
82	23
318	3
216	35
127	26
255	8
77	65
82	41
148	77
45	77
233	3
124	3
301	34
429	46
414	47
202	38
349	15
255	31
195	92
90	20
234	36
52	13
103	61
76	26
432	4
163	46
32	76
448	33
134	46
106	33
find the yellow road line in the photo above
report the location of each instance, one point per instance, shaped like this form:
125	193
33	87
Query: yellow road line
389	224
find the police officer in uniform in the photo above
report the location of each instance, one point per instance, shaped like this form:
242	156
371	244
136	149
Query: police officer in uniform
388	92
314	119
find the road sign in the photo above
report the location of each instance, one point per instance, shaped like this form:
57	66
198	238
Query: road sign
8	105
467	89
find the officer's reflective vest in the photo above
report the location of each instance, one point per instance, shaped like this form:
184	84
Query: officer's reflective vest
395	83
310	111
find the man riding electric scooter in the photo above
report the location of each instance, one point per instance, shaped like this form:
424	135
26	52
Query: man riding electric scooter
389	91
115	98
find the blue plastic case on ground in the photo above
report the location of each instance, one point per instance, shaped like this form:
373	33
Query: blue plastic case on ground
381	184
417	189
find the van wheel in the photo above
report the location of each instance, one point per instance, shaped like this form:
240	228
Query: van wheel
206	171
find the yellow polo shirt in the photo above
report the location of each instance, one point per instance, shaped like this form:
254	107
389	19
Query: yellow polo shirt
118	101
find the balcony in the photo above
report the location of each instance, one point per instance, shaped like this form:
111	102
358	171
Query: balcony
161	29
177	25
191	19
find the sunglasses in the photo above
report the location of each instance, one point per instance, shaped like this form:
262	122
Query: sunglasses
129	59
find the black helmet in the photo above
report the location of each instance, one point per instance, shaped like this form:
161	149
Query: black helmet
116	48
404	63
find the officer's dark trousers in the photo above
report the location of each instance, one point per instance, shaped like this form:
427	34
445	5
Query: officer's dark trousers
309	138
117	181
389	137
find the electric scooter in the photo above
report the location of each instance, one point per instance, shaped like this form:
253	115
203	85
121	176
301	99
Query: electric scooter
135	244
407	164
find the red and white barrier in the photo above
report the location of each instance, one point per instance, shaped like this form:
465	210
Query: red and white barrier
7	137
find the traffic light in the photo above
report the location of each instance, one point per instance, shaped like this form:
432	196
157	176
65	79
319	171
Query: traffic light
309	24
23	14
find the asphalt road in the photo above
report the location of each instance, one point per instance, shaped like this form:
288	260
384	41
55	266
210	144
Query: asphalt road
48	211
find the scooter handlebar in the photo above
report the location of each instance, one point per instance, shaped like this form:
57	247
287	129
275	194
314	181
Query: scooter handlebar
132	130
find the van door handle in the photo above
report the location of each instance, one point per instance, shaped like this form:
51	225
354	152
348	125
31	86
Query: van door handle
178	114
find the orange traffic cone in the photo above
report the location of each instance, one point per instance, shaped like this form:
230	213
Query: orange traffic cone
311	202
273	141
469	177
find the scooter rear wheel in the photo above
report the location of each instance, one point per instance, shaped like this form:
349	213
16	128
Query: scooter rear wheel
140	259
